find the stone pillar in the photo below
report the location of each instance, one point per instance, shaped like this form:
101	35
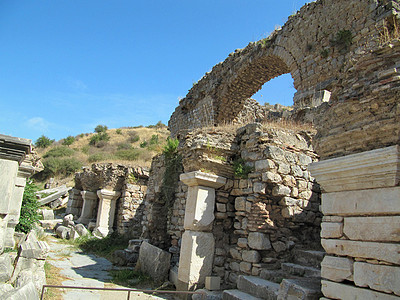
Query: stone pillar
106	212
198	244
15	211
88	208
361	224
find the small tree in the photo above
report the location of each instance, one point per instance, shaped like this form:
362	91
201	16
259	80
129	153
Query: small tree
68	140
43	142
29	209
101	128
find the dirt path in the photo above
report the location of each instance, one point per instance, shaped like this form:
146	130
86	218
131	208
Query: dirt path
77	268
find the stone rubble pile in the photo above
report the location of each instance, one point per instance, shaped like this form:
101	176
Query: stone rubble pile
56	197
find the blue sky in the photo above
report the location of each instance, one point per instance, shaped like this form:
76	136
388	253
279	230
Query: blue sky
69	65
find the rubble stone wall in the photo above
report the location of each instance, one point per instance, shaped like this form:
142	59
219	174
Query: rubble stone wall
346	48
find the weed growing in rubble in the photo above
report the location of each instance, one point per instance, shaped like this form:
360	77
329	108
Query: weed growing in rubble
343	39
29	209
241	169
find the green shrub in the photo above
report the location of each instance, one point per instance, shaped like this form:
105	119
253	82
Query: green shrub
118	131
143	144
97	157
43	142
68	140
85	149
101	128
241	169
124	146
99	137
29	209
131	154
154	139
171	146
60	166
133	137
59	152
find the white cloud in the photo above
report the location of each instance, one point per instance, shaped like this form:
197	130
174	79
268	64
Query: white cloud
77	84
38	123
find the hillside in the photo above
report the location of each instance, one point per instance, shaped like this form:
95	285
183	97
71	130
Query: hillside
132	146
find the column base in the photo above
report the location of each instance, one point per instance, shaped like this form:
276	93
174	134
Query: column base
101	232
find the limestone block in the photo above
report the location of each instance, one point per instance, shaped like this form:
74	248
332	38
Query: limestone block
264	165
38	277
331	230
8	175
242	242
199	212
27	291
81	230
154	261
383	229
6	267
240	203
380	251
271	177
367	170
279	246
251	256
5	287
235	254
48	214
258	241
213	283
363	202
32	248
197	262
49	224
336	290
337	268
197	178
377	277
259	188
281	190
63	232
245	267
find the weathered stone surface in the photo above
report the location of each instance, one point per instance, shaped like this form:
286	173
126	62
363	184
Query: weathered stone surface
60	192
199	212
49	224
337	268
154	262
378	229
38	277
213	283
106	212
281	190
197	262
258	287
336	290
258	241
304	289
81	230
331	230
48	214
279	246
377	277
25	292
364	202
371	169
32	248
63	232
264	165
198	178
6	267
124	258
251	256
380	251
237	295
5	287
209	295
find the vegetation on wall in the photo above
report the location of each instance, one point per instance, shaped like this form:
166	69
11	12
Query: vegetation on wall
29	209
241	170
173	168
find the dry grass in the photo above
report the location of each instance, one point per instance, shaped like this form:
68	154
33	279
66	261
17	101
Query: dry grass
389	31
53	277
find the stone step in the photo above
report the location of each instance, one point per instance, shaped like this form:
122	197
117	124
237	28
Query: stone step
258	287
300	270
273	275
310	258
305	289
237	295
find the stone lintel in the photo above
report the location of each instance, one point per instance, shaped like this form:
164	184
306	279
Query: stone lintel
203	179
384	201
370	250
367	170
336	290
14	148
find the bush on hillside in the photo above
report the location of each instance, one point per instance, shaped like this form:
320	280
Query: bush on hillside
43	142
99	137
29	209
59	152
132	154
100	128
124	146
60	166
133	137
68	140
98	157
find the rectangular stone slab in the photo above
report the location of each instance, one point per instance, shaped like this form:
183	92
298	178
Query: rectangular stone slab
378	277
385	201
380	251
378	229
336	290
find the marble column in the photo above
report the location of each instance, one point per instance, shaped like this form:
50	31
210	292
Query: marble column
198	243
106	212
88	208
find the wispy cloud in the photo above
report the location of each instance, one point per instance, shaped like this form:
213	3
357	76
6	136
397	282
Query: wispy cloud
38	123
76	84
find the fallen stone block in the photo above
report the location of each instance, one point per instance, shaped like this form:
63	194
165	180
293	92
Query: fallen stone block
4	288
124	258
6	267
207	295
73	234
302	289
68	220
81	229
154	262
63	232
32	248
26	292
54	196
50	224
38	277
47	214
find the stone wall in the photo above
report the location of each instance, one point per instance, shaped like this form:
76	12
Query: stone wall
337	50
361	224
260	219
